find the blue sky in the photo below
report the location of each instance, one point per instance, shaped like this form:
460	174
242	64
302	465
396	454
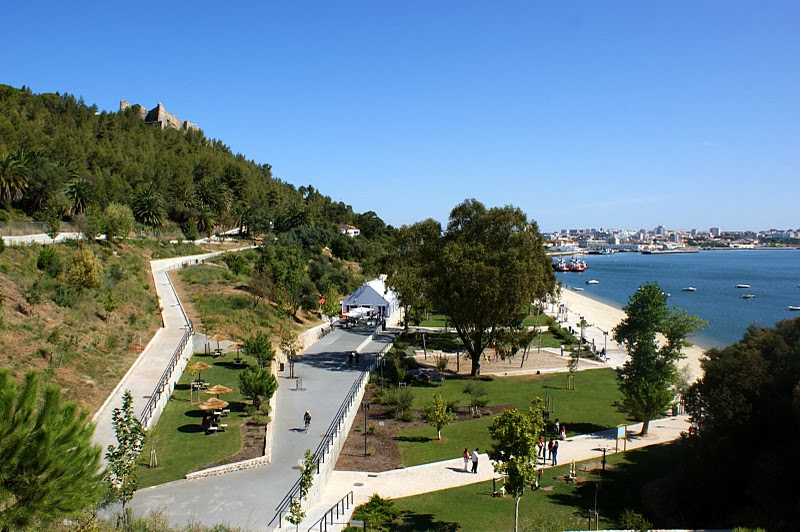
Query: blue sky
622	114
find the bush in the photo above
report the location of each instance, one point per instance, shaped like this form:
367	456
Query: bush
85	270
49	261
380	513
62	296
236	263
2	245
479	395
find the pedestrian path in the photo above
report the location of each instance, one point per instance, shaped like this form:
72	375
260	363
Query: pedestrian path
145	373
450	474
248	498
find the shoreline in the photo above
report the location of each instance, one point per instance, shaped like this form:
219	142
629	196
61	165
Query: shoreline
603	317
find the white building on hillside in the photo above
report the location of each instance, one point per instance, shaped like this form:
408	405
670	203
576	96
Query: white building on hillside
374	296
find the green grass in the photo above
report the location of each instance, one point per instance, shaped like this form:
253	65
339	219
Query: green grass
561	506
181	444
435	320
588	408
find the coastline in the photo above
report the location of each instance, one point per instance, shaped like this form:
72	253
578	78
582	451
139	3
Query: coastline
602	319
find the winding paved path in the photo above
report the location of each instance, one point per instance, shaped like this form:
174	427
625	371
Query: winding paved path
248	498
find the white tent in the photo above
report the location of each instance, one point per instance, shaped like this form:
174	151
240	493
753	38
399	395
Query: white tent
374	297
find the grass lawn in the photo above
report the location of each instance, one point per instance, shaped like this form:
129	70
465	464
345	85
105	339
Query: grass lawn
560	505
181	444
435	320
588	408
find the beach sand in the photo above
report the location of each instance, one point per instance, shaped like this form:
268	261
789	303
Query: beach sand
603	318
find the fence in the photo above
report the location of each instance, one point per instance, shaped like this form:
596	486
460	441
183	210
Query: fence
163	384
336	511
332	443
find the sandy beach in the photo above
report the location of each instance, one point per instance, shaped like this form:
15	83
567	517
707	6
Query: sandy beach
602	319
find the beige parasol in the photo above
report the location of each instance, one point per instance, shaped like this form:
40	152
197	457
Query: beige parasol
212	404
199	366
217	389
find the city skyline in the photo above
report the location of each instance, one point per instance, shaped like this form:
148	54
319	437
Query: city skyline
621	115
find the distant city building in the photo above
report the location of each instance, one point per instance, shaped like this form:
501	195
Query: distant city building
714	232
660	230
159	116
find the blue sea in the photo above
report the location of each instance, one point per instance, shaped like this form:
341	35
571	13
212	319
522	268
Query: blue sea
773	276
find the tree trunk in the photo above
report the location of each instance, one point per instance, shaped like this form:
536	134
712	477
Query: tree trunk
438	434
476	366
645	427
516	513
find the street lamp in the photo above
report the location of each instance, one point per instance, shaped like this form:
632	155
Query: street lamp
605	344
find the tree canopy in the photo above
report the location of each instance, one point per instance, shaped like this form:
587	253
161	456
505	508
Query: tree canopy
487	266
49	467
648	378
747	404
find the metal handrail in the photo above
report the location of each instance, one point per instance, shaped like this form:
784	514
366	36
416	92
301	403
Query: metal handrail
330	435
147	411
344	503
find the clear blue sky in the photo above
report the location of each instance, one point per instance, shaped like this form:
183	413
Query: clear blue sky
623	114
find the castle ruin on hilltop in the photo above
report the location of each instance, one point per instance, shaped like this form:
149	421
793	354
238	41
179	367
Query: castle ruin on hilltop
160	116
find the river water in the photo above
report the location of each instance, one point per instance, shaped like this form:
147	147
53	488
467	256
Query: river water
773	276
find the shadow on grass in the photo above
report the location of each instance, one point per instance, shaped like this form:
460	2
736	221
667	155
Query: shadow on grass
412	521
194	413
191	428
413	439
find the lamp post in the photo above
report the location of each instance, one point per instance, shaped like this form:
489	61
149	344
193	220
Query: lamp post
605	344
365	407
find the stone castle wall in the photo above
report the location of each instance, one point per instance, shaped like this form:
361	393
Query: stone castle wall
159	116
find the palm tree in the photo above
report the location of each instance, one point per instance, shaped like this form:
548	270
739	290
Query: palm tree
148	207
79	193
13	176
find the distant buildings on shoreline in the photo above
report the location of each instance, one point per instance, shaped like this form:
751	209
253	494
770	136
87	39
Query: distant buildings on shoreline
661	238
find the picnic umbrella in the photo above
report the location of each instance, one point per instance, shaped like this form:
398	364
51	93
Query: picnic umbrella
199	366
212	404
218	389
217	338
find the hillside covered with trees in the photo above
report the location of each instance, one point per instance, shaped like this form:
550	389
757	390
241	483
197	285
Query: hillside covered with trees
61	157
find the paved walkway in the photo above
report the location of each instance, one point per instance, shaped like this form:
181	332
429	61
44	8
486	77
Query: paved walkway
249	498
449	473
143	376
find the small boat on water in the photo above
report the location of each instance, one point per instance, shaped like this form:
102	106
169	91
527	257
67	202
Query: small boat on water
690	289
577	265
793	307
577	288
747	296
561	266
742	286
593	281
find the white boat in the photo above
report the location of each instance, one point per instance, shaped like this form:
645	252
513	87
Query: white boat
793	307
690	289
747	296
577	288
742	286
593	281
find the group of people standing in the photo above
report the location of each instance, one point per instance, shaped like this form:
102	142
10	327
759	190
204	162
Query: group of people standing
550	448
471	458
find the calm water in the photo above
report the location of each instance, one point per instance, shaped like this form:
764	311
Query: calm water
773	275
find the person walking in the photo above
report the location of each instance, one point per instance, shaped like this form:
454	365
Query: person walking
556	428
466	459
541	447
475	461
563	432
549	450
307	419
350	359
555	452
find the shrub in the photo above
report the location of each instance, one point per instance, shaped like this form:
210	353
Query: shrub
62	296
2	245
84	270
479	395
236	263
380	513
118	221
49	261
